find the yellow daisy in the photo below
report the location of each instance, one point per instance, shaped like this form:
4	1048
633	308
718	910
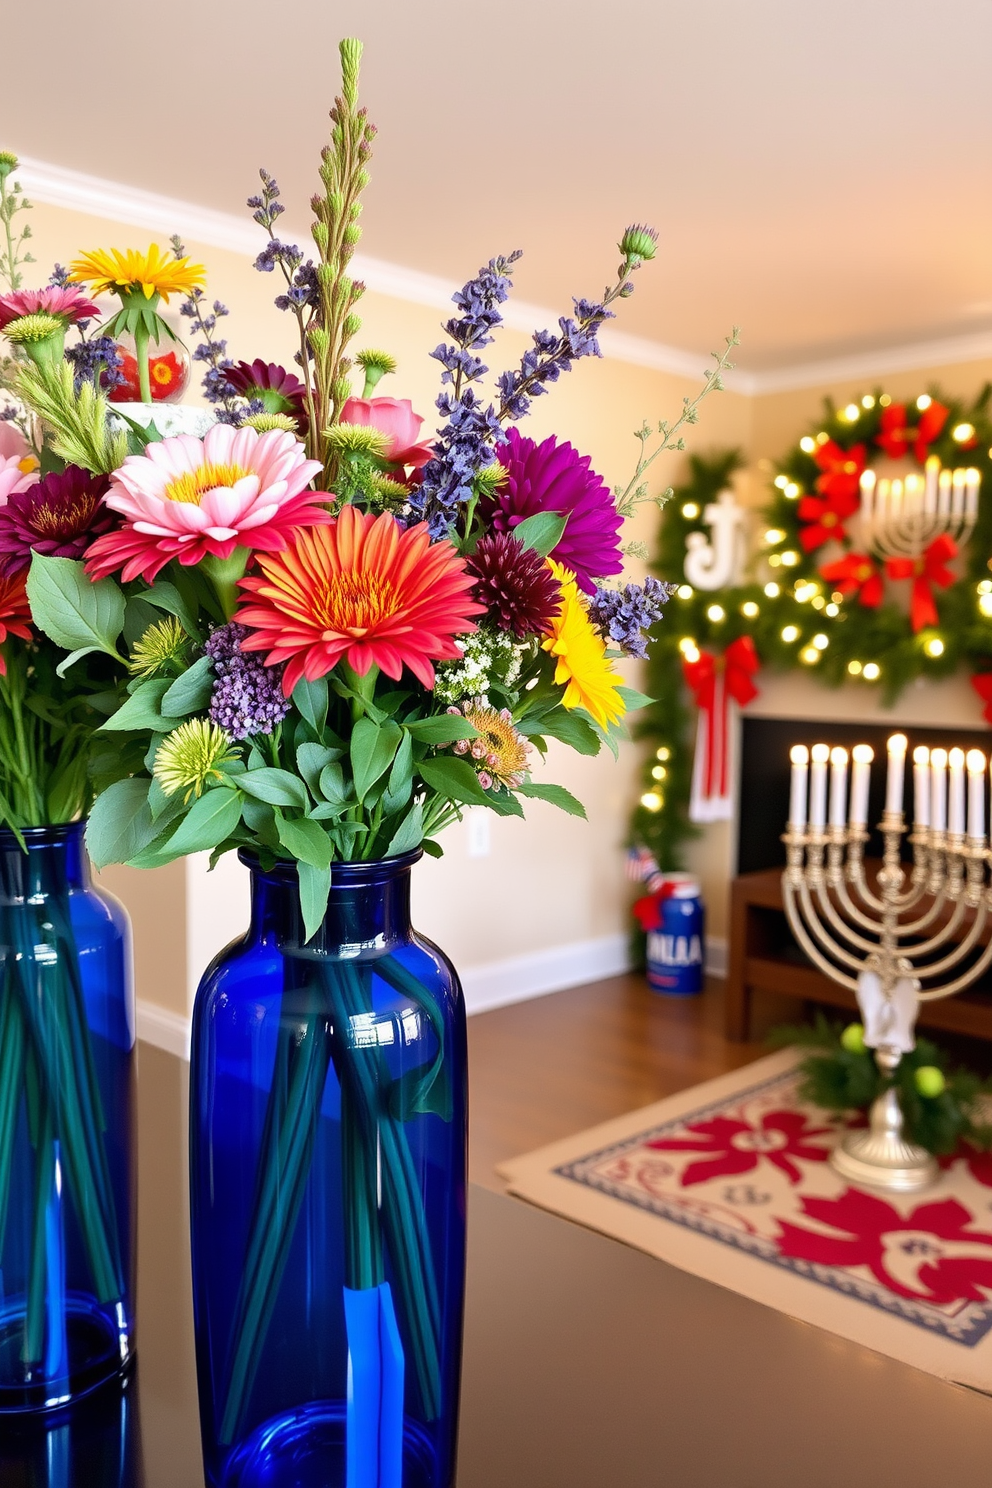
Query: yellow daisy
153	273
591	680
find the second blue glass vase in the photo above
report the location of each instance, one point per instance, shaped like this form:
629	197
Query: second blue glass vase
328	1150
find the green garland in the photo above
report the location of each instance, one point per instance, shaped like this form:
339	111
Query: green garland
795	618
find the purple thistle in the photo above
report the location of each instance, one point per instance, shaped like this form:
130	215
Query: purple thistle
247	696
622	615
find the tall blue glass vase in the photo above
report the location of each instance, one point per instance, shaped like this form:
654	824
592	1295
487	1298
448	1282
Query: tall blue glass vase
66	1104
328	1150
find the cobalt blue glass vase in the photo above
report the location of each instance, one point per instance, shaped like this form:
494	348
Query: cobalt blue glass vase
66	1104
327	1174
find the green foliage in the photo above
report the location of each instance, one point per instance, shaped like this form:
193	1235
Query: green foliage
79	424
78	614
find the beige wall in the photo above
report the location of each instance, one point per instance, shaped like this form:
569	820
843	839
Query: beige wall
550	882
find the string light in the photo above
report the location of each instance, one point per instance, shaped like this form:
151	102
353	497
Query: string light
689	649
790	634
884	400
867	401
652	801
985	604
658	772
985	587
837	598
854	668
792	490
963	432
749	609
810	655
716	613
871	671
821	642
934	646
781	481
823	437
772	590
832	609
774	559
790	559
818	601
807	445
774	535
852	412
663	753
690	511
923	402
684	591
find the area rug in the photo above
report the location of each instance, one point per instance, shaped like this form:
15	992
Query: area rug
730	1181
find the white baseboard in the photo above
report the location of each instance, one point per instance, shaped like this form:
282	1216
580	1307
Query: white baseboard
717	953
520	977
166	1030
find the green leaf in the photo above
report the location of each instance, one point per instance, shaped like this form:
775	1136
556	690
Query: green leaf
409	834
431	848
332	784
306	840
444	729
566	725
166	597
79	615
210	819
310	699
634	699
557	795
400	786
190	692
275	787
504	803
142	710
542	532
373	747
454	779
315	886
120	823
311	759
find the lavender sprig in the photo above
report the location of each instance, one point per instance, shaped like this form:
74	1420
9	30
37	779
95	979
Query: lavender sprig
301	295
247	695
623	615
212	349
98	361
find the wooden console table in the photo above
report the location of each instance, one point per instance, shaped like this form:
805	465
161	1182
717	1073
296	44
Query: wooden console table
764	956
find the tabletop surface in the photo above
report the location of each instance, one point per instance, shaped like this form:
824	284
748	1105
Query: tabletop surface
587	1365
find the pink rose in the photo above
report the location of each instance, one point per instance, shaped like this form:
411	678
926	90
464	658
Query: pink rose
395	418
12	442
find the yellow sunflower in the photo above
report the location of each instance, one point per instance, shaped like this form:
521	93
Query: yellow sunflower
153	273
591	680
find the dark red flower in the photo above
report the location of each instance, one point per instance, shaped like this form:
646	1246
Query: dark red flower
59	516
825	517
15	612
856	573
897	437
518	589
276	389
929	1255
841	468
728	1147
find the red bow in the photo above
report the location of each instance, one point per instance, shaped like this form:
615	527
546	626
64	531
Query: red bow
896	436
982	683
841	468
713	680
929	569
826	516
855	573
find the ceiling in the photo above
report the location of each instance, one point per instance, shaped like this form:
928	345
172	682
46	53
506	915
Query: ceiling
820	174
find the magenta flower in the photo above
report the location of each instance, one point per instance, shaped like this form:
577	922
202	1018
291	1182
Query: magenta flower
727	1147
276	389
518	589
69	303
931	1254
553	477
59	516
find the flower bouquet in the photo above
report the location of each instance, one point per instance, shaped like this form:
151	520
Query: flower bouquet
330	636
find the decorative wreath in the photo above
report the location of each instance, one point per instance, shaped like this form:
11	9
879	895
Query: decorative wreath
844	618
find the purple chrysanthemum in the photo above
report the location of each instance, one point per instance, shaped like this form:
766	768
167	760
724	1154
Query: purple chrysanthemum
247	697
553	477
59	516
518	589
277	390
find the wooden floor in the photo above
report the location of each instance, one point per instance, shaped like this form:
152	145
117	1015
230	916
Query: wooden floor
542	1069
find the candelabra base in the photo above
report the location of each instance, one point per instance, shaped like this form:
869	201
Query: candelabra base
884	1160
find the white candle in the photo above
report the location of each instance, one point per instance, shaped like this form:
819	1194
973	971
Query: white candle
838	787
973	480
932	475
867	495
921	787
862	754
799	755
955	813
897	771
976	793
944	494
938	789
957	494
818	787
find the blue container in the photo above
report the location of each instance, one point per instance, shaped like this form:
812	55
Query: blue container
328	1172
66	1107
675	948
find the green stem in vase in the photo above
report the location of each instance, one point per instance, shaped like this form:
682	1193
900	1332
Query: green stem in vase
141	357
12	1052
44	1182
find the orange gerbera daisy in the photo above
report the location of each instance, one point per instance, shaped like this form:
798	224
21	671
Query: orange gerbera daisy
361	590
15	612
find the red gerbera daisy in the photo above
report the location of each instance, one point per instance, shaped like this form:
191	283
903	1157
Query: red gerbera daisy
361	590
15	612
825	517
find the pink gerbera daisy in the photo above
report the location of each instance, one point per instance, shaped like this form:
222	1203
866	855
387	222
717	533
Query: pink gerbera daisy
69	304
189	498
17	473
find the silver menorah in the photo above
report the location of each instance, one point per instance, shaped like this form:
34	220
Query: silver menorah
900	517
914	936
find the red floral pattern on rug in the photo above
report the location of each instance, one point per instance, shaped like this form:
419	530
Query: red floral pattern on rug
931	1253
732	1146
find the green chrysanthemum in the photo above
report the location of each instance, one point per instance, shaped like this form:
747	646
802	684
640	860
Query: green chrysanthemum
191	756
263	422
162	644
376	364
8	162
358	439
33	328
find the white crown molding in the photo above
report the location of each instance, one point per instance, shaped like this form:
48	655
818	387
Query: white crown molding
116	202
